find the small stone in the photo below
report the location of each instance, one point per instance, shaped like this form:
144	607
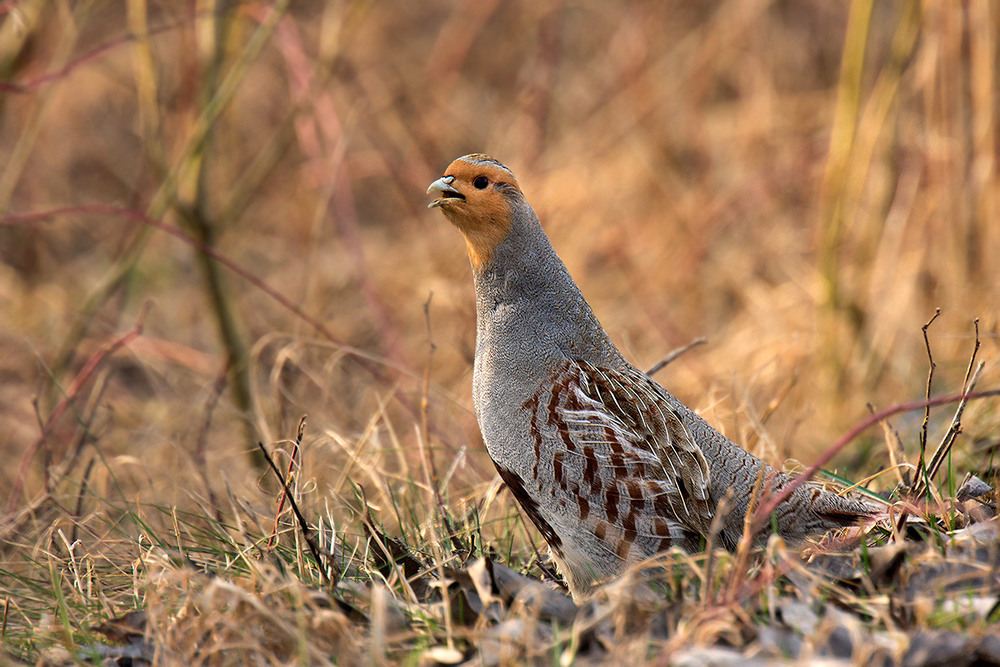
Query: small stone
947	649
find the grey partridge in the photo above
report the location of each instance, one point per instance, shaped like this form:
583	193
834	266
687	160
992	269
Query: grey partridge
607	464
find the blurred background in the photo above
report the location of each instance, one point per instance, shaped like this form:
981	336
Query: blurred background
802	183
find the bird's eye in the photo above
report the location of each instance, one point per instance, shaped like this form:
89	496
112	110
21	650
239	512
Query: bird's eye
481	182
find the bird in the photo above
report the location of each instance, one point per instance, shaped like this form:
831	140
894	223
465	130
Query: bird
609	466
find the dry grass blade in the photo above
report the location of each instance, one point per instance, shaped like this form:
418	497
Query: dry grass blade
894	447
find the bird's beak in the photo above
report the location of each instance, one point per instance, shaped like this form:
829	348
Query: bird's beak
443	187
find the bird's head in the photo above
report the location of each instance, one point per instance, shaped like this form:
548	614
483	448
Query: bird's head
478	195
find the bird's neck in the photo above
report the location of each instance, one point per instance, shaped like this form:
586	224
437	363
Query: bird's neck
525	296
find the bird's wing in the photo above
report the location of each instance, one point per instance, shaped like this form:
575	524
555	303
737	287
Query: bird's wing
637	455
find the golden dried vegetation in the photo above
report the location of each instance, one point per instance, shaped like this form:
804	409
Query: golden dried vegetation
212	222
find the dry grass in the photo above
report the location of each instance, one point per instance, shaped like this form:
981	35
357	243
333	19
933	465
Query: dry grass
803	183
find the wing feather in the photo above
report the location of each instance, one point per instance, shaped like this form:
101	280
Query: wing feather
636	437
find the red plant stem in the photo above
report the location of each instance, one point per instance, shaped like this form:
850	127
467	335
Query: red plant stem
285	491
764	510
71	394
103	209
23	88
131	214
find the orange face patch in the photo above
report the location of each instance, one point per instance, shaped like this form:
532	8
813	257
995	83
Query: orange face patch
475	196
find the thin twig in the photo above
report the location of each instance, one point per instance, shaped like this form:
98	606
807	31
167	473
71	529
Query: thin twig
673	354
424	440
944	447
937	458
927	394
